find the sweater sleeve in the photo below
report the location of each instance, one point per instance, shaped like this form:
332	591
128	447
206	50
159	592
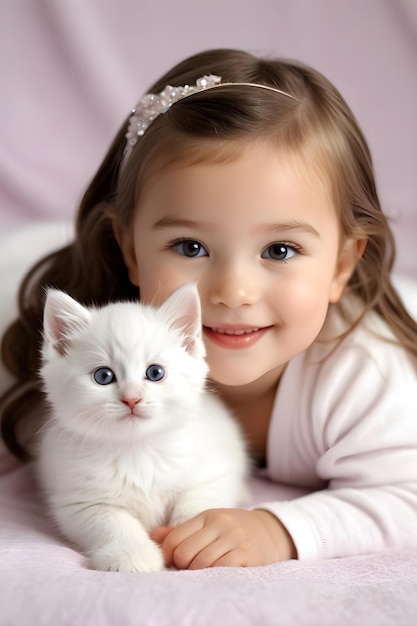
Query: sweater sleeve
348	427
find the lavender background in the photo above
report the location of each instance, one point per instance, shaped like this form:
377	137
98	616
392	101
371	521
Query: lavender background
70	70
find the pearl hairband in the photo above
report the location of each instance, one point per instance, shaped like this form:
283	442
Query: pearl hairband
151	105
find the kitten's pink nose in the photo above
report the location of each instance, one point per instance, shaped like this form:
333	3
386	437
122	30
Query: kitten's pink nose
131	402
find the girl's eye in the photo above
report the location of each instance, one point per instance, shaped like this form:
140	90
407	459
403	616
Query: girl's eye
190	248
155	373
279	252
104	376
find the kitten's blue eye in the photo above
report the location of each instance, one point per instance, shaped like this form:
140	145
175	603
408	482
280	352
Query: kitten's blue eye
279	252
104	376
190	248
155	373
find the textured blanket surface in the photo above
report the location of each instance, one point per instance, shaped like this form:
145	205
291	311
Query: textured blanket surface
44	582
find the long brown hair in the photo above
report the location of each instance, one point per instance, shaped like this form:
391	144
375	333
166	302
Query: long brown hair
315	122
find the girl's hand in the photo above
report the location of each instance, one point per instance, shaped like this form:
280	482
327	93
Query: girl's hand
225	537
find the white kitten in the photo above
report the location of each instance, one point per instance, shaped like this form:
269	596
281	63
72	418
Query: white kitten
135	440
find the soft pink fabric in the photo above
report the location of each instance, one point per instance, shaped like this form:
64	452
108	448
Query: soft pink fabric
43	582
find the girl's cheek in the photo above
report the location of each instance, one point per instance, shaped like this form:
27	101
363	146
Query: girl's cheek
157	284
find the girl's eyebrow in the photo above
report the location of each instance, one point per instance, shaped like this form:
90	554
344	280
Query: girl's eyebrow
169	222
294	225
175	222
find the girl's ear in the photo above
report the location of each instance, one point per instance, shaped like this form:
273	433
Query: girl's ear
349	255
125	241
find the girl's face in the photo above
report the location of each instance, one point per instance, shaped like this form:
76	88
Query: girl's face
261	238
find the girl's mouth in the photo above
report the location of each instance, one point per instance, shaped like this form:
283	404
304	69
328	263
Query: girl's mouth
234	337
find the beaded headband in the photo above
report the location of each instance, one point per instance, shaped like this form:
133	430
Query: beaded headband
151	105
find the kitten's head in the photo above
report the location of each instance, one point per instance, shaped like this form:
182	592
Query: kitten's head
126	370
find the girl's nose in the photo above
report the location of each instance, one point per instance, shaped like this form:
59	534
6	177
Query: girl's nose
233	286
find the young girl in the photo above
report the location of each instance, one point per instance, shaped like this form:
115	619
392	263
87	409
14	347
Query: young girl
251	177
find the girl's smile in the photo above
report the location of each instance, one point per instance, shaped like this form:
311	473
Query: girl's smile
234	337
260	236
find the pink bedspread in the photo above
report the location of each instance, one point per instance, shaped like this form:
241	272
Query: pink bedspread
43	582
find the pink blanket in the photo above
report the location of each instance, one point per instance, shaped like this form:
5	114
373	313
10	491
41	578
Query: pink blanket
43	582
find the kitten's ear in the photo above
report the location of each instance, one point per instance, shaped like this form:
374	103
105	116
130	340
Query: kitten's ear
183	310
63	318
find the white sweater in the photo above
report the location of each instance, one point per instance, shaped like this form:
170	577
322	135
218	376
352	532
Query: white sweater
346	428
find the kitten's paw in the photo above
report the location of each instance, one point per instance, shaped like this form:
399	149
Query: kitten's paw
143	557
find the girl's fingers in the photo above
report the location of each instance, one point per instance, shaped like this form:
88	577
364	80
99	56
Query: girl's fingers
223	551
207	546
226	537
158	534
238	557
177	536
184	550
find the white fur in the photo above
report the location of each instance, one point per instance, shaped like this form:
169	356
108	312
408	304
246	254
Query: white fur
109	476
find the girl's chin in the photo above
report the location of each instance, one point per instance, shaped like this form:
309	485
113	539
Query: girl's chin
235	375
232	379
